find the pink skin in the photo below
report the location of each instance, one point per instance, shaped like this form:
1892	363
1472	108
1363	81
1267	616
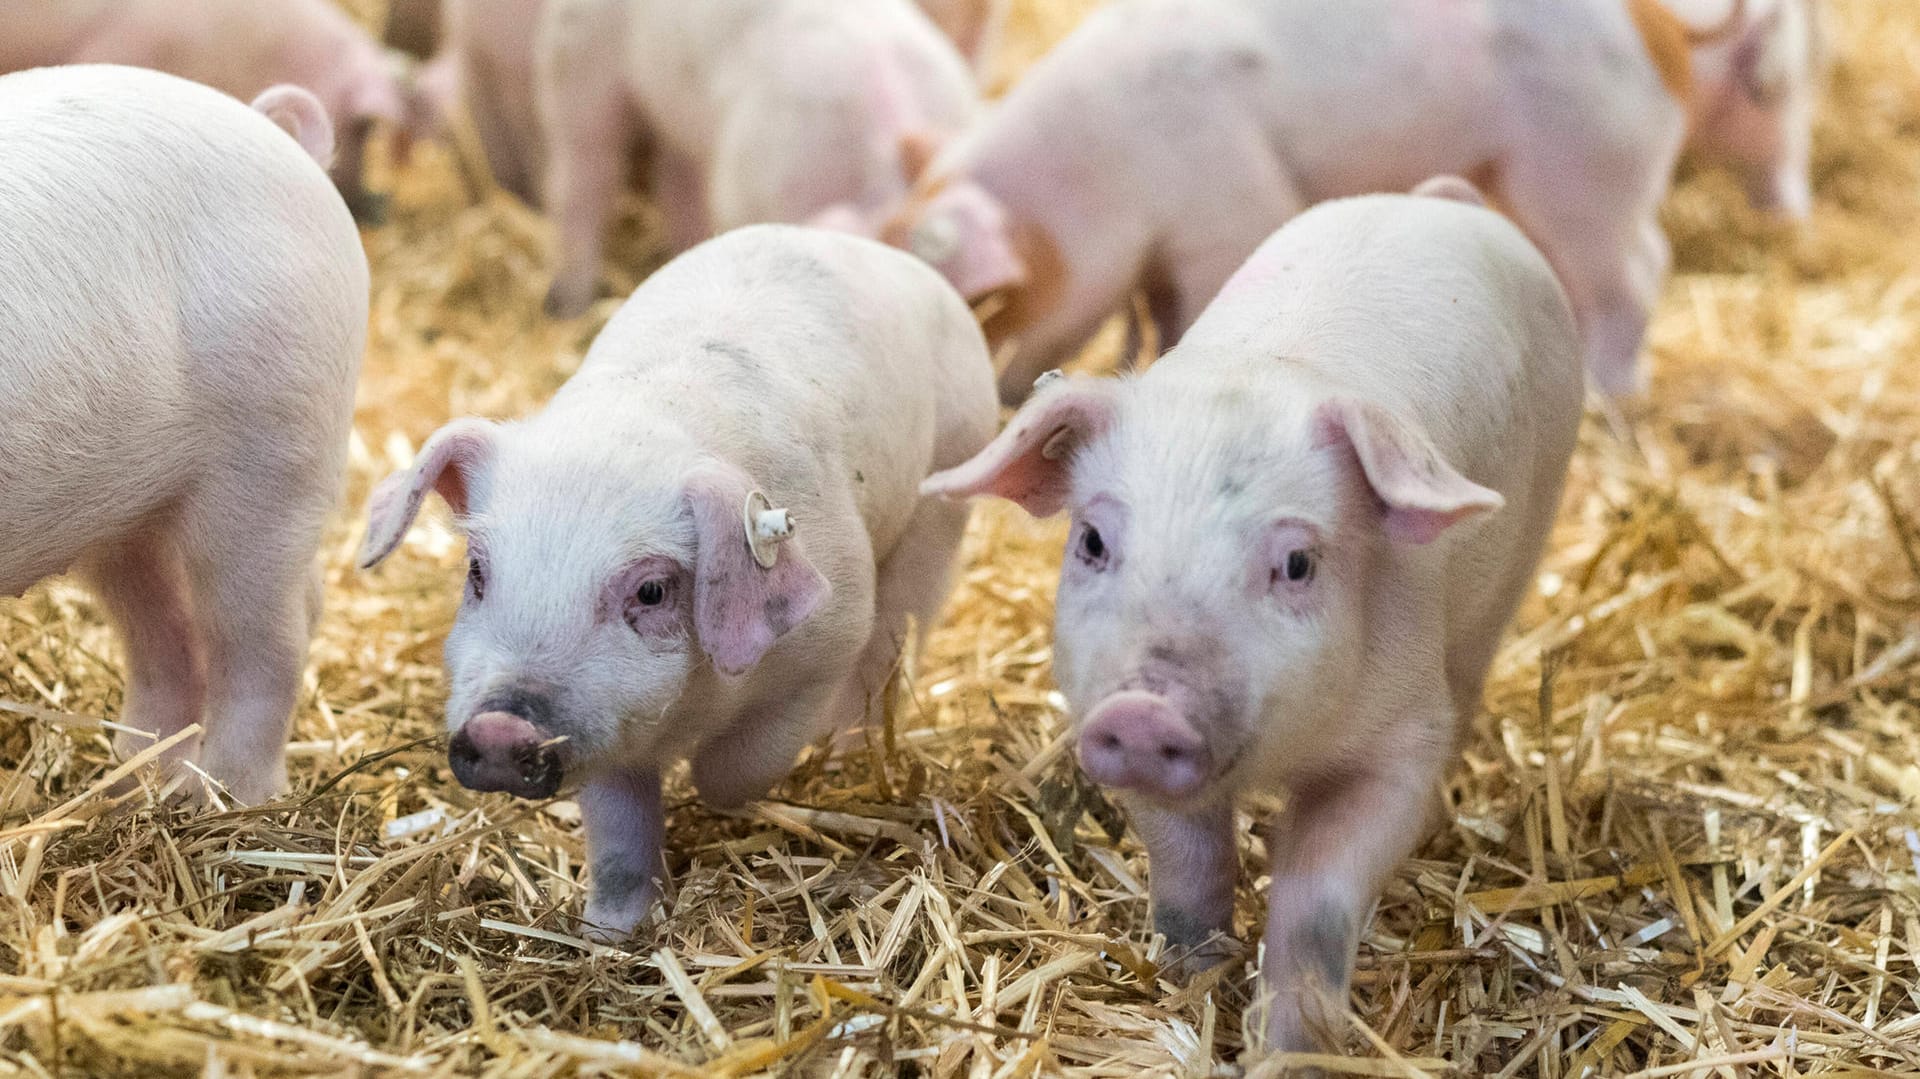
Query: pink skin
1755	89
239	46
179	406
747	111
484	62
974	26
1280	575
1156	146
616	620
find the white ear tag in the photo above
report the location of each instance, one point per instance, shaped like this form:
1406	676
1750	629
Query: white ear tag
766	529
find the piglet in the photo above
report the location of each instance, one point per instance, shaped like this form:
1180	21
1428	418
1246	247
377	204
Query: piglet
183	305
750	111
1296	541
1164	139
482	60
239	46
708	545
1750	87
974	26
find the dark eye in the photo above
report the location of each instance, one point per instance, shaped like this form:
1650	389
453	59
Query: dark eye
651	593
476	578
1093	548
1300	566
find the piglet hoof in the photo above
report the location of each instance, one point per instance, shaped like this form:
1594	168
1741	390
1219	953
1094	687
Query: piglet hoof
566	299
617	904
1193	948
370	208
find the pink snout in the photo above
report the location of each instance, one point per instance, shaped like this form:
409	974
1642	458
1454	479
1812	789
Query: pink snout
1138	741
499	751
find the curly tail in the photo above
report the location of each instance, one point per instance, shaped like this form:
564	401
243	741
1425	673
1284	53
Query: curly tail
301	115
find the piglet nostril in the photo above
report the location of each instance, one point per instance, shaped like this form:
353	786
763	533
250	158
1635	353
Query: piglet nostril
1172	753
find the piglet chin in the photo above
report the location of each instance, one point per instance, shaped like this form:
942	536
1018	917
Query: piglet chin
1138	741
499	751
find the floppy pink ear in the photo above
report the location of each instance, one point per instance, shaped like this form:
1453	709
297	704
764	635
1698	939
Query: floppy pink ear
739	608
1028	462
445	464
1421	494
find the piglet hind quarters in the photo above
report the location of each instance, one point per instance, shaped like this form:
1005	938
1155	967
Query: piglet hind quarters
183	306
710	544
1296	542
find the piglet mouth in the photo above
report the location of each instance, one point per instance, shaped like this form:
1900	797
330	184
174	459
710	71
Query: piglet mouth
500	751
1134	740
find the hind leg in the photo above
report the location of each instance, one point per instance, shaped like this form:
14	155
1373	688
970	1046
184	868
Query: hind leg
142	583
1206	251
1606	245
250	558
912	585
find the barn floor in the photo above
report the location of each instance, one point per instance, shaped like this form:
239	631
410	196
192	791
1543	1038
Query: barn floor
1688	843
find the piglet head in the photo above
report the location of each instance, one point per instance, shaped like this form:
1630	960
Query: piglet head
959	227
594	597
1756	113
1213	603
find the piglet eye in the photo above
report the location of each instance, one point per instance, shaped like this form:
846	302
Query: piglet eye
1301	566
1092	548
476	578
651	593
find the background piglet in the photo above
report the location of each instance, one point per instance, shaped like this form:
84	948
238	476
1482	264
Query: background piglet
1296	542
618	617
480	59
1753	86
183	304
239	46
750	110
1163	140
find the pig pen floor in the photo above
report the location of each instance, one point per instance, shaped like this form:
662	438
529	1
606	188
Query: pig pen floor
1686	843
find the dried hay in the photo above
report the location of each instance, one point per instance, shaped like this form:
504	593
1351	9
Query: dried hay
1686	844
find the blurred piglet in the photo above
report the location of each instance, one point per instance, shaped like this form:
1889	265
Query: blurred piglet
183	304
481	58
708	545
1296	542
750	111
239	46
974	26
1751	87
1156	147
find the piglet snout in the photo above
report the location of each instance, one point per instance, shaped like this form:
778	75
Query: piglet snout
1139	741
499	751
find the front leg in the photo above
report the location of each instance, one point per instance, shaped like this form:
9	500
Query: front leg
621	810
1192	866
745	762
1336	847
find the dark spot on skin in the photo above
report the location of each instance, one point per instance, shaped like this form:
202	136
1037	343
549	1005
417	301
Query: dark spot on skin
859	477
731	351
617	880
778	612
1231	486
1322	947
533	707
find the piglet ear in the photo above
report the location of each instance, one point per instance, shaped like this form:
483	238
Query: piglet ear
1028	462
740	608
447	464
1421	493
917	151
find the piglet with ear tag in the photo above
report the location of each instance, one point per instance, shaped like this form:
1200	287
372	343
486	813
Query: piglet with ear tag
710	545
1295	543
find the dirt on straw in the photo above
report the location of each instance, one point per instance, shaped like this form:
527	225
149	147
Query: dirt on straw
1684	837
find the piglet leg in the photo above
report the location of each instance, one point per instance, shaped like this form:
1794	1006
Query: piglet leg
759	751
1192	865
1338	844
144	589
621	810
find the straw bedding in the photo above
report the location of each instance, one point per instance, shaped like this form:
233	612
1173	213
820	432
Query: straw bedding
1684	838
